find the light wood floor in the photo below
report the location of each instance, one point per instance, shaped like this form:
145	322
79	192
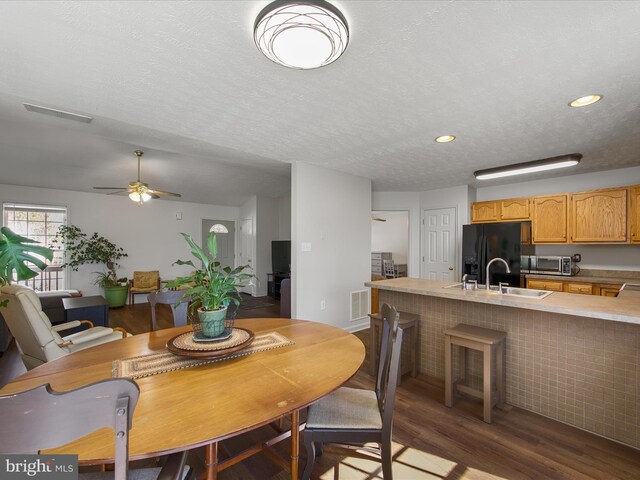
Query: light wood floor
433	441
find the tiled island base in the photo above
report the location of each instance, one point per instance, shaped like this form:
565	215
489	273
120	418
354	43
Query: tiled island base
581	371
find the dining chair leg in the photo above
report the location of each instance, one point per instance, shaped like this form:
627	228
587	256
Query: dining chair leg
311	454
295	443
385	454
211	462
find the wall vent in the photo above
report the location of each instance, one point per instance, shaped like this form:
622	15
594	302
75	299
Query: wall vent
57	113
359	304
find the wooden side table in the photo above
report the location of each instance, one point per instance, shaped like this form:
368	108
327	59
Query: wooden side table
409	325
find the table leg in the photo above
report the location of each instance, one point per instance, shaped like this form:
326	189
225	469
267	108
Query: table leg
295	443
211	462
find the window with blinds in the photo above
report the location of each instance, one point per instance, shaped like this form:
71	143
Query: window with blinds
40	223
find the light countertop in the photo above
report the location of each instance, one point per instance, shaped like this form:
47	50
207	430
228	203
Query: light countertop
623	308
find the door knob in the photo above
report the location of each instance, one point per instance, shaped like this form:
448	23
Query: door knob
450	268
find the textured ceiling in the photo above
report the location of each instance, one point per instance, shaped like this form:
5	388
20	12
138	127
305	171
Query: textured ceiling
186	82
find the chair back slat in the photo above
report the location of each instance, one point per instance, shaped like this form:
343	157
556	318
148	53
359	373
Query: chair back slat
42	418
170	297
388	370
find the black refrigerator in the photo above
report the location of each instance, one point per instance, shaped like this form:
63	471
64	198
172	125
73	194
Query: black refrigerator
482	242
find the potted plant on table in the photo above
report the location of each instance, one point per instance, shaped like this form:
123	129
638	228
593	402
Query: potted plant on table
212	287
81	249
16	252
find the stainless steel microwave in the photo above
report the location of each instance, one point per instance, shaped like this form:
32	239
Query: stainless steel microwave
548	265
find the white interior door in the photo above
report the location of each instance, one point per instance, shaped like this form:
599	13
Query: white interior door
245	256
439	244
226	241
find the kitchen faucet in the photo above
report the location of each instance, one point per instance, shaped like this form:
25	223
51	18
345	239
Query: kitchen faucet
489	264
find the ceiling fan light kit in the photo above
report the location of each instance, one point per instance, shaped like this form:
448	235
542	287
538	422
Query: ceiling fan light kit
301	34
138	191
562	161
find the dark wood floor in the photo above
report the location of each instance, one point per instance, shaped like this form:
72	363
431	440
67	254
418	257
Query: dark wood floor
432	441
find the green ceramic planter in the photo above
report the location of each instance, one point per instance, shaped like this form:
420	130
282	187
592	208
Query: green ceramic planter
116	296
212	322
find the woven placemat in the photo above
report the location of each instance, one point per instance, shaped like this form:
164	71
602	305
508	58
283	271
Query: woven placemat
186	342
154	363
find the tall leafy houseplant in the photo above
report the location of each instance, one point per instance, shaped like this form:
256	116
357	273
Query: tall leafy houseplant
16	252
81	249
211	287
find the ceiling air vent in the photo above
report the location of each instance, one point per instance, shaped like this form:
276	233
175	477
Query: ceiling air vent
57	113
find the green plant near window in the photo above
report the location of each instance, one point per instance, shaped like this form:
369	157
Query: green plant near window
16	252
81	249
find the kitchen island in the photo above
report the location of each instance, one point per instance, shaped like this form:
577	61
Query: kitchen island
573	358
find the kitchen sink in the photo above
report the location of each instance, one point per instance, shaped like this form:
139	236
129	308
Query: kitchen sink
512	291
525	292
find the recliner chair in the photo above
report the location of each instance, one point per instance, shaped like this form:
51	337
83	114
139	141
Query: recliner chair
37	340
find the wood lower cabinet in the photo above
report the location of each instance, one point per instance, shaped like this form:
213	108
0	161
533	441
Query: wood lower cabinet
609	290
549	219
551	285
634	214
484	212
599	216
582	288
515	209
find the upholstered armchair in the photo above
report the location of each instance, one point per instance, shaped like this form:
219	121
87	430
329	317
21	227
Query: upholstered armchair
143	283
37	340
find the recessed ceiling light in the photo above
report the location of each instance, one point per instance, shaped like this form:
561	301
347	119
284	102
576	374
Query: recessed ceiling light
302	34
445	138
586	100
529	167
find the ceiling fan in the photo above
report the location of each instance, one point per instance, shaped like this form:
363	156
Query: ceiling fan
139	191
377	219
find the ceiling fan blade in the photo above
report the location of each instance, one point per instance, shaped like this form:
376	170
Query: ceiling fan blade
160	192
118	191
378	219
153	195
111	188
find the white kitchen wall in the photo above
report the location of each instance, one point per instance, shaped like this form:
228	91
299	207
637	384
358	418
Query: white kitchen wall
149	234
615	257
331	215
392	235
407	201
284	217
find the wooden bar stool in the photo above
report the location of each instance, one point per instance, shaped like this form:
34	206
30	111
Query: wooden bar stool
409	325
491	344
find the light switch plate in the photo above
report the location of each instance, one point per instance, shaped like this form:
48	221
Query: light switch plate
306	246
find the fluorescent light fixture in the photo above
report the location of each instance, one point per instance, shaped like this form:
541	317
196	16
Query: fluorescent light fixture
529	167
301	34
57	113
445	138
586	100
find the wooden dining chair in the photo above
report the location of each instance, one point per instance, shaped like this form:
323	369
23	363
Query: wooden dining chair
172	298
389	268
351	417
42	418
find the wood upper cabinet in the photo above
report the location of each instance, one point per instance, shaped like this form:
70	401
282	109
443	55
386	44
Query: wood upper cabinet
634	213
483	212
599	216
515	209
549	214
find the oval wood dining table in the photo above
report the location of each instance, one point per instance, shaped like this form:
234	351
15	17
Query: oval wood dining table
203	405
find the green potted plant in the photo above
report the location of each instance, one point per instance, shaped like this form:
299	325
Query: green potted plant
211	287
16	252
81	249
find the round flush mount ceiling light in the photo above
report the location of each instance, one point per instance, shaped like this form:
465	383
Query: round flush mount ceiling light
445	138
586	100
301	34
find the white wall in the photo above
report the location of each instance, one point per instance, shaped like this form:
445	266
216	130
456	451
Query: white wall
249	211
284	217
391	235
331	211
149	234
410	202
615	257
266	231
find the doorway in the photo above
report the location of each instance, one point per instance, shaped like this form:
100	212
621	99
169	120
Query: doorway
246	250
226	241
390	235
439	244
